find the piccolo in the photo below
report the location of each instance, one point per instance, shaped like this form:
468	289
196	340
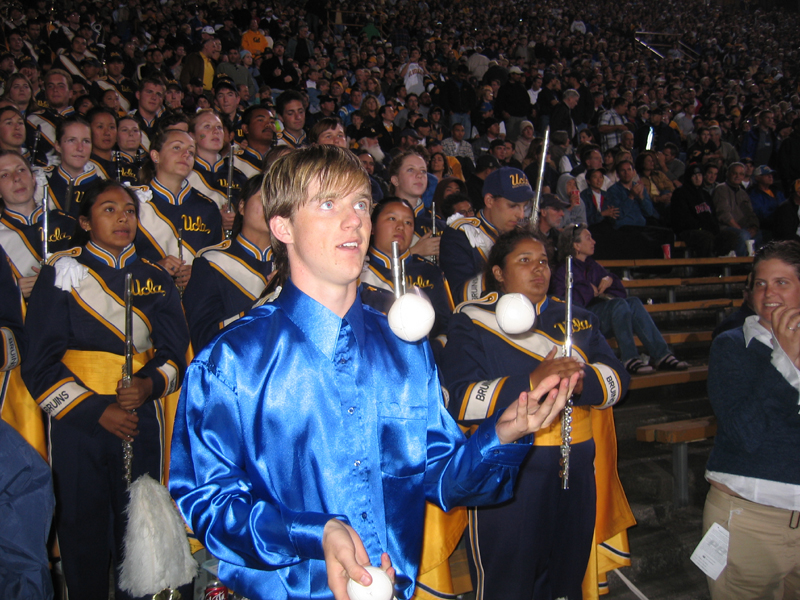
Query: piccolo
127	371
68	198
119	165
650	139
434	232
230	185
538	197
180	255
566	415
398	272
36	144
45	226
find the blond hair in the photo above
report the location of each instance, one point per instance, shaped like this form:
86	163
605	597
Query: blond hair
287	183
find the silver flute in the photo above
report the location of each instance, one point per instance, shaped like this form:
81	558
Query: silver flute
118	162
230	186
538	197
36	145
651	136
127	371
398	272
434	232
180	255
45	226
566	415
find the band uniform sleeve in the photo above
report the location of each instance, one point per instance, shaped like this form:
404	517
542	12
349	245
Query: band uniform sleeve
474	394
456	259
205	307
49	381
170	337
605	380
12	340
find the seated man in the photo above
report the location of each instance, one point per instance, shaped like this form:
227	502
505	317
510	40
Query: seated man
734	210
308	435
632	233
467	242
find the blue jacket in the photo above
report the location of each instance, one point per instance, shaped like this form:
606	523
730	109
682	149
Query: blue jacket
632	211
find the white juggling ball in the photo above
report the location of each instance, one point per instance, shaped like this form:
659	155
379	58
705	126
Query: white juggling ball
515	313
379	589
411	317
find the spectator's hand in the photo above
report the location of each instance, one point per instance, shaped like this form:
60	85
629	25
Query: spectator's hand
427	245
611	212
120	422
171	263
662	161
638	189
132	397
563	367
605	283
786	329
529	414
26	283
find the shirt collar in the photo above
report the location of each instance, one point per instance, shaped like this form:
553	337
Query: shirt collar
162	192
487	227
753	328
207	166
88	168
318	322
383	259
24	219
254	250
127	256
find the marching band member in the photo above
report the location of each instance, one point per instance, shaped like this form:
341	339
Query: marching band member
393	221
103	125
129	140
12	130
538	544
210	170
57	91
75	329
173	206
258	125
229	277
408	174
70	180
21	221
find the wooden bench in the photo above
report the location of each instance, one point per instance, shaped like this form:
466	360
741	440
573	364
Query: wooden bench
674	283
718	303
679	434
659	378
677	337
726	262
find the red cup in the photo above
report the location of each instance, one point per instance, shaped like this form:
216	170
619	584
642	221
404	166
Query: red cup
666	249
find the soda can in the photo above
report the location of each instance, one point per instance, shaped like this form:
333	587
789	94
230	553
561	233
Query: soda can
667	251
215	591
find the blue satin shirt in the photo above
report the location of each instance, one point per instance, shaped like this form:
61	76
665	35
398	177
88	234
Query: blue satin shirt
293	416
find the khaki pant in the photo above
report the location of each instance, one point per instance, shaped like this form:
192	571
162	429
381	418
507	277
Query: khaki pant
764	550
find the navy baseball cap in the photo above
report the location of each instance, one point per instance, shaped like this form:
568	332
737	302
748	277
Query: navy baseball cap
508	183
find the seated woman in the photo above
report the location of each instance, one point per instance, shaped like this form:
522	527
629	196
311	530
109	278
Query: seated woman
175	218
227	279
538	544
73	329
107	162
393	221
602	292
21	221
12	130
129	142
753	472
70	180
439	167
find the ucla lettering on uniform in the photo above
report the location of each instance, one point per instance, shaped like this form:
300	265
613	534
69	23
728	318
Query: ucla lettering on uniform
418	282
58	235
196	224
577	325
148	288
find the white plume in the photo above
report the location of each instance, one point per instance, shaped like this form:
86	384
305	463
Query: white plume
157	554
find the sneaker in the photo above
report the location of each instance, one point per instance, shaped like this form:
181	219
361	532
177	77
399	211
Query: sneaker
671	363
636	367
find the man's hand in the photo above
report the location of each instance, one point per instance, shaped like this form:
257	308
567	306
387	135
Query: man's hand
786	329
427	245
611	211
183	275
527	415
345	558
131	398
638	189
120	422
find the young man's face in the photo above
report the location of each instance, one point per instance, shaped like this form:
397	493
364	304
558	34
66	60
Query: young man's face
294	116
326	240
228	101
57	92
151	98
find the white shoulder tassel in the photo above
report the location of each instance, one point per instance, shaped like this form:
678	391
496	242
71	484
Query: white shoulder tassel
157	554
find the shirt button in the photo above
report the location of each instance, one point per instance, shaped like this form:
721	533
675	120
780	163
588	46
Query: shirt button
364	516
357	463
342	361
351	410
